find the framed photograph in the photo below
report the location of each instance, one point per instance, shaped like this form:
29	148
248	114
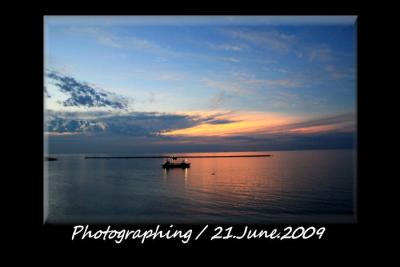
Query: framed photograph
200	119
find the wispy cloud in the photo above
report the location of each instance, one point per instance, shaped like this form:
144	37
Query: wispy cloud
102	37
171	76
283	83
322	53
228	47
272	39
229	87
337	74
141	43
238	84
219	99
229	59
284	100
330	123
107	38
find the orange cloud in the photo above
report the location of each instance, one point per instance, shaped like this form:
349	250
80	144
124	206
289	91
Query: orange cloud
314	129
243	123
240	123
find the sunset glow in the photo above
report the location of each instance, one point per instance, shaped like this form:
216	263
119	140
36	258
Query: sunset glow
242	123
195	82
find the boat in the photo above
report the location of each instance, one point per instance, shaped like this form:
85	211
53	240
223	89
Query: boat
173	163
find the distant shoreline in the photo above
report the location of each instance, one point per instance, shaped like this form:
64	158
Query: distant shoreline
178	156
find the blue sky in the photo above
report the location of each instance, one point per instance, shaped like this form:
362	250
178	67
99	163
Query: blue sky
283	69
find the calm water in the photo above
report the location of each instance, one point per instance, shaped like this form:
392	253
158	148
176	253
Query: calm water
290	186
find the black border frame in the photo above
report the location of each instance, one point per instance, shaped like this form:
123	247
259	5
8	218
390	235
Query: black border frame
342	238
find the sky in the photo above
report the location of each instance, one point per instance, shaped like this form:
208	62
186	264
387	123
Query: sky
199	83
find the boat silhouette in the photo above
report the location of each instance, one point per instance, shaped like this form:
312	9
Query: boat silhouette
172	162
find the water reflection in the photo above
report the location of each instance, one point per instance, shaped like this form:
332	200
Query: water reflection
212	189
176	177
284	183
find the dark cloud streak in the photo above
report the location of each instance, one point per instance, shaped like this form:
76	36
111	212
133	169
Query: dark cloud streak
157	144
130	124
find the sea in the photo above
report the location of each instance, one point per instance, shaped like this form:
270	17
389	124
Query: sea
311	186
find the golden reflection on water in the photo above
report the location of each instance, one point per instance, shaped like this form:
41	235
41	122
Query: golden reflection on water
186	175
234	179
247	181
176	179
